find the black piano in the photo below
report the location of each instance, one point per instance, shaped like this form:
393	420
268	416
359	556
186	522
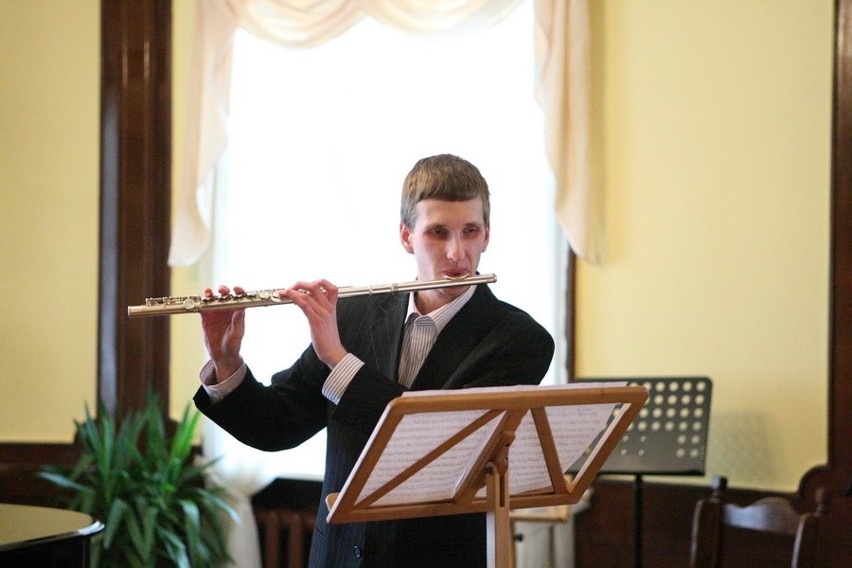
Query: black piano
45	537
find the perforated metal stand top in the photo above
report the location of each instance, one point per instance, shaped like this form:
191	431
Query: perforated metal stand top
669	437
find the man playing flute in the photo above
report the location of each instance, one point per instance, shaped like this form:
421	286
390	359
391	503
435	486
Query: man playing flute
367	350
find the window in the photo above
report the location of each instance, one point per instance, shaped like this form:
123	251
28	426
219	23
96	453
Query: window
320	141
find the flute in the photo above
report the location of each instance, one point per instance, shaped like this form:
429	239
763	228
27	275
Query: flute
170	305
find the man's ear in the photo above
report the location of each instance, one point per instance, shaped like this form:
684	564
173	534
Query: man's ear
487	237
405	238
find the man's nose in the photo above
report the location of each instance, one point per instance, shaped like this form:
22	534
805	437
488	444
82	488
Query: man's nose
454	248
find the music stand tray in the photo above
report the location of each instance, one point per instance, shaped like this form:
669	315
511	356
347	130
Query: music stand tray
485	450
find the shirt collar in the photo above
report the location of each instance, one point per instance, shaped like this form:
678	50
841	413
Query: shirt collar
445	313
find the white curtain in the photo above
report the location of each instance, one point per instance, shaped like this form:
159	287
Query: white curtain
562	61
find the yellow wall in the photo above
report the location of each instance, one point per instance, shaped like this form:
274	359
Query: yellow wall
712	136
187	349
49	136
49	199
713	139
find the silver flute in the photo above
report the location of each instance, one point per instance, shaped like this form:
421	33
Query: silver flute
171	305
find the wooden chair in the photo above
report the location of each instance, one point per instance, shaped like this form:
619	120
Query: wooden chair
286	514
296	525
714	519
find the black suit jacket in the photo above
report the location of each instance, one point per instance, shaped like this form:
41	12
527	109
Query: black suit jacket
488	343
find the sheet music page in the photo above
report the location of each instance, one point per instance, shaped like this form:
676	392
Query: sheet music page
574	428
417	435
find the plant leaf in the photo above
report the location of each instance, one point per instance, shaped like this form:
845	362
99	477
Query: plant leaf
64	481
175	548
192	529
113	521
149	529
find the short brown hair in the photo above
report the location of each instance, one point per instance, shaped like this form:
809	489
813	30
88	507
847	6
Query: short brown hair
444	177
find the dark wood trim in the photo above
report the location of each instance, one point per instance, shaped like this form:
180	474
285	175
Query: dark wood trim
19	464
836	475
838	471
840	359
133	356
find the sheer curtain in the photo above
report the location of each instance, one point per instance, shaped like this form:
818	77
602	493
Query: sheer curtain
561	83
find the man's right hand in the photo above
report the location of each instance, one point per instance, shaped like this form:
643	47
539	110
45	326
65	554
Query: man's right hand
223	335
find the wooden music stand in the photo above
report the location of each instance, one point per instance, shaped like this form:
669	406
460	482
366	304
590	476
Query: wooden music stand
450	452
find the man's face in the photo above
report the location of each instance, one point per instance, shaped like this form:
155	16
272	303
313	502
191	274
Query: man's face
446	241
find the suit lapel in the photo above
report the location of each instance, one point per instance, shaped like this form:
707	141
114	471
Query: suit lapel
387	333
456	341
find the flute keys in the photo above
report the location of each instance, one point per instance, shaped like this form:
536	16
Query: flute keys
268	296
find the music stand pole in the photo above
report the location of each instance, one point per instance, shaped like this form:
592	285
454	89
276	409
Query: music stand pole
637	521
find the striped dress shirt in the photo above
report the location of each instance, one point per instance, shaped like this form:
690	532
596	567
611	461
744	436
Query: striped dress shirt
421	332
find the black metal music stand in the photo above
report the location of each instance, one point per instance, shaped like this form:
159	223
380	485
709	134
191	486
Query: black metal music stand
668	437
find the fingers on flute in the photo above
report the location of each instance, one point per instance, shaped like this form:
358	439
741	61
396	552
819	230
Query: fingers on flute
317	289
328	287
223	290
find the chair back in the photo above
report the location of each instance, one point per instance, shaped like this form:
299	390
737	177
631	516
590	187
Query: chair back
713	520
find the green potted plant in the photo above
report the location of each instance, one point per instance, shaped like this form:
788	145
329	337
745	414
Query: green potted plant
147	489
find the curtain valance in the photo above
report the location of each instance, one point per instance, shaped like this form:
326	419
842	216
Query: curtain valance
562	54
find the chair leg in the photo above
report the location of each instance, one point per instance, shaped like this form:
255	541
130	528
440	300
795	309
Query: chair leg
268	520
295	538
298	525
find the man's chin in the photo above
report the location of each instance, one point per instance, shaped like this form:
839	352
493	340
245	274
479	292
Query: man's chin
453	292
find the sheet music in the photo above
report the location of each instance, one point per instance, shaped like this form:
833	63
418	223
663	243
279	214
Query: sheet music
414	437
574	428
